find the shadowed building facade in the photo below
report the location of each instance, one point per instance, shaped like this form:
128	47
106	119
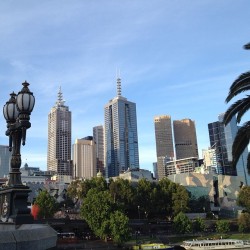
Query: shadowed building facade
221	140
185	139
120	135
5	156
99	143
164	142
59	138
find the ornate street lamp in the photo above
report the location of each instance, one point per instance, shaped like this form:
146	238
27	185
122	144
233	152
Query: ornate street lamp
13	198
17	114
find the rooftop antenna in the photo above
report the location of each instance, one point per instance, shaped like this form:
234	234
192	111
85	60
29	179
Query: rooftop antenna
119	87
60	101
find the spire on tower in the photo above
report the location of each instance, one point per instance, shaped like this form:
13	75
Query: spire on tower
119	87
60	101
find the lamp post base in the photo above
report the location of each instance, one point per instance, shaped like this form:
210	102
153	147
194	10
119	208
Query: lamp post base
13	205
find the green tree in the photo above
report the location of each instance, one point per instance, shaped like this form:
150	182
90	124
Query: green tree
182	224
143	199
96	210
46	203
244	222
104	217
120	231
238	109
199	225
243	198
222	226
121	191
78	189
163	198
180	200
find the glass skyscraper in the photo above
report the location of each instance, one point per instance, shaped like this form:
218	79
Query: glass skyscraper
120	135
221	139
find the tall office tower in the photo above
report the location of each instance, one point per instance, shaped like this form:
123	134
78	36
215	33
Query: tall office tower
163	136
120	135
84	158
221	139
185	139
5	157
98	139
164	142
59	138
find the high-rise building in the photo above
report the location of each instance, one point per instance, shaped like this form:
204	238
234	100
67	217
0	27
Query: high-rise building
163	136
5	157
185	139
221	139
59	138
99	143
84	158
120	135
164	142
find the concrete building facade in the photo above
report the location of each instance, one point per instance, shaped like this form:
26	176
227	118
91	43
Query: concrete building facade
185	139
84	158
5	157
59	138
163	136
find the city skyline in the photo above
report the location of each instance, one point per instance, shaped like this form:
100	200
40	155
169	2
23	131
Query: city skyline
174	58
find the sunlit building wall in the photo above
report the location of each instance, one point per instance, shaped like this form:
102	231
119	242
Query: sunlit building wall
59	138
84	158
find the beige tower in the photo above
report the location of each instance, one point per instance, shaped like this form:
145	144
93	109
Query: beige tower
163	136
59	138
185	139
84	158
164	142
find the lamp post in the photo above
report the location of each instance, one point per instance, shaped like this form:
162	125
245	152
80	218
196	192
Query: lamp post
13	197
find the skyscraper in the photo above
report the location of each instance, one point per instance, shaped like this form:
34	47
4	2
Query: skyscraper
5	157
59	138
221	139
84	158
185	139
163	136
164	142
120	135
99	143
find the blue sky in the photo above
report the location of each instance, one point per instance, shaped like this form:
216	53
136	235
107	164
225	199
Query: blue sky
176	57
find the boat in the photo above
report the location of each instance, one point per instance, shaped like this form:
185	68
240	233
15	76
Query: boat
68	237
148	246
215	244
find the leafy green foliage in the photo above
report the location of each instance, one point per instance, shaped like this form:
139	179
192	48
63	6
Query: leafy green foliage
47	204
119	227
244	222
238	109
199	225
243	198
222	226
180	200
182	224
78	189
101	213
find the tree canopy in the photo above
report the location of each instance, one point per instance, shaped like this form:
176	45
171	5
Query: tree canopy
47	204
238	109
